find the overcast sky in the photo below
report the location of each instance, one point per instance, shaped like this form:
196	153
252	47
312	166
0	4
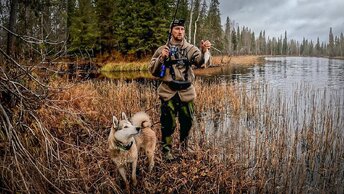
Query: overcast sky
300	18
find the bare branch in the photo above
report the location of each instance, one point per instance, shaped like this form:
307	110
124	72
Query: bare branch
32	40
20	67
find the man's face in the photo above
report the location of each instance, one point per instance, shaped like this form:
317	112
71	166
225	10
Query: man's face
178	33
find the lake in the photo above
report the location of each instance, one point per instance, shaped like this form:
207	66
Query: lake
285	73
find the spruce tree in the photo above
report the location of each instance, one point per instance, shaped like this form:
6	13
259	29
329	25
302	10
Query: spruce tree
330	49
213	25
142	26
228	36
201	27
341	44
84	31
317	47
106	10
285	44
234	41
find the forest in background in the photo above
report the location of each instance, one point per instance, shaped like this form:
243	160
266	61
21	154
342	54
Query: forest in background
48	29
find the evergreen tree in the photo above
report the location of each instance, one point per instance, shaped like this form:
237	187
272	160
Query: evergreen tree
106	10
213	25
253	44
234	41
337	46
260	43
285	44
279	46
341	44
202	31
311	48
238	36
264	49
228	36
317	48
183	12
84	30
142	26
330	44
293	48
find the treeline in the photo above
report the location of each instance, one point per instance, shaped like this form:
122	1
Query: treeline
31	28
244	41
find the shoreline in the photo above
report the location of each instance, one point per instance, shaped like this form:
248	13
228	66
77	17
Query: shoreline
239	60
216	62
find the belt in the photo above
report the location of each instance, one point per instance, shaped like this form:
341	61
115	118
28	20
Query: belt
178	85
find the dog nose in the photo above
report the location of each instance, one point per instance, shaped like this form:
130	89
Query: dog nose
138	128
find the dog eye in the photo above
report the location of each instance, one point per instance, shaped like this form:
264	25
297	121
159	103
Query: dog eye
125	126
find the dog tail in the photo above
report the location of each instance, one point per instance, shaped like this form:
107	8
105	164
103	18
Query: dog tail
141	119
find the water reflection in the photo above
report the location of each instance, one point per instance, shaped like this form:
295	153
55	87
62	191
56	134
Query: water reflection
318	72
127	75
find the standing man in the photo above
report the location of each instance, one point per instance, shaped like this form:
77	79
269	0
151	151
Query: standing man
173	64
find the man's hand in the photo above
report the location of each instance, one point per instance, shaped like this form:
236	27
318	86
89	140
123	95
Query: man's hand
205	45
164	53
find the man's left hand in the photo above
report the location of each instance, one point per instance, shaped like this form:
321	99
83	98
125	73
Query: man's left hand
205	45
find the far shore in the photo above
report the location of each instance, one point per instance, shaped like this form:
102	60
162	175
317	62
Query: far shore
216	61
238	60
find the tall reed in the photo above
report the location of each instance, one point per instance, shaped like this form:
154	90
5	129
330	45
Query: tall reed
247	137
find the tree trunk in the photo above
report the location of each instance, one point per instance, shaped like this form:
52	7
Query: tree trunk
11	23
190	22
195	29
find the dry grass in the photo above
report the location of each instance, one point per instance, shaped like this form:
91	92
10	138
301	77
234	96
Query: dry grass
216	61
244	141
125	66
247	60
243	60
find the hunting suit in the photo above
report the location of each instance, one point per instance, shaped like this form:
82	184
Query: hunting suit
176	90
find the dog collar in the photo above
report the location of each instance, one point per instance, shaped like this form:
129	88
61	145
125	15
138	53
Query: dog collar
123	147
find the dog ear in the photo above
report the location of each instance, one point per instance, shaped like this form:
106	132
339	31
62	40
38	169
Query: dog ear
115	122
124	116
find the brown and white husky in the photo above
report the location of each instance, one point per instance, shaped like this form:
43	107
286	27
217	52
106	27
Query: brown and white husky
125	140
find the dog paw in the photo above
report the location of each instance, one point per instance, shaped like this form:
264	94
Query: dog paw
127	188
134	182
150	167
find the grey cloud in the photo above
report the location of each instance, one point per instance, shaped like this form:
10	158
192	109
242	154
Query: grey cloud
301	18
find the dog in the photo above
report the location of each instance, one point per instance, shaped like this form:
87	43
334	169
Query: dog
125	140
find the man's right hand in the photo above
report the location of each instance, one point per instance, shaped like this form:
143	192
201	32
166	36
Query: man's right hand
165	52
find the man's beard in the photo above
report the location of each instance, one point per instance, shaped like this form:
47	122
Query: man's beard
179	38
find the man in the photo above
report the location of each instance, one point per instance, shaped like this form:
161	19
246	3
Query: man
173	64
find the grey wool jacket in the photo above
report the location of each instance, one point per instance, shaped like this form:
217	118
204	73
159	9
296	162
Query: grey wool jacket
194	55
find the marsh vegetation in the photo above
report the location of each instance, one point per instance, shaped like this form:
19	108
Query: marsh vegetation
249	136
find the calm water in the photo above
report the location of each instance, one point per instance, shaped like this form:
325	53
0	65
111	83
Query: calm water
302	89
287	75
286	72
